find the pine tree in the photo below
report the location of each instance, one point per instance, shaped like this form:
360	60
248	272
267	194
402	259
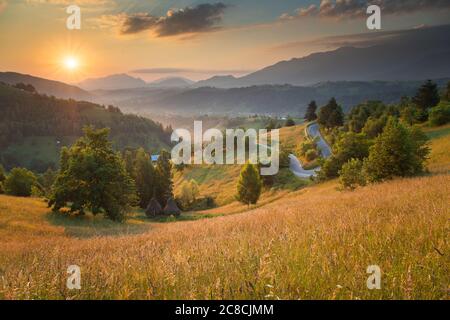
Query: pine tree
163	183
426	98
144	177
249	185
310	114
331	115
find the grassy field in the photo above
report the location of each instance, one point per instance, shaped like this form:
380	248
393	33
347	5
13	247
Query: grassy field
311	244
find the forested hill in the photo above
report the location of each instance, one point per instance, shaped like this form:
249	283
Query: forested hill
34	127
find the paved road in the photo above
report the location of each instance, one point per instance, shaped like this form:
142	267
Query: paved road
314	132
295	165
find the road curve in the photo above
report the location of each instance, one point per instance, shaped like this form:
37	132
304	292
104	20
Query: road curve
294	163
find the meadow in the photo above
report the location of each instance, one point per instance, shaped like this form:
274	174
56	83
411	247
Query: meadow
312	243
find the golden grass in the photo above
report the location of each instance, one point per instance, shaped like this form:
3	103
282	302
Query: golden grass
312	244
439	161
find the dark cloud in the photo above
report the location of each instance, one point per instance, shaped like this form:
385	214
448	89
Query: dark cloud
357	8
186	70
202	18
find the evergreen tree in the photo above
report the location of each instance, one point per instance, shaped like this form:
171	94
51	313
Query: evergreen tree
331	115
2	179
249	185
93	177
397	152
426	98
144	177
2	174
310	114
164	183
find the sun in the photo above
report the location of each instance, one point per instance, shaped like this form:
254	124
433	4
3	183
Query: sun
71	63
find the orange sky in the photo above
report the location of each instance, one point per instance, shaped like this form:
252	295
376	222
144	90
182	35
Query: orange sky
35	40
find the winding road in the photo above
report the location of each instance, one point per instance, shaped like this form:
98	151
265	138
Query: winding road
294	163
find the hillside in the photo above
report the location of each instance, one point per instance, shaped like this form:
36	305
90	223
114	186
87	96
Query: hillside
313	244
267	99
219	181
45	86
34	127
112	82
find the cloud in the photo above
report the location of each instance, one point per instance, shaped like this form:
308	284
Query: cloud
186	70
69	2
201	18
351	9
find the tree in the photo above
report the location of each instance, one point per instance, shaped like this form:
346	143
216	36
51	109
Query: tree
310	114
19	182
398	152
289	122
446	95
331	115
440	114
2	179
144	177
351	175
427	97
249	185
163	183
93	177
189	193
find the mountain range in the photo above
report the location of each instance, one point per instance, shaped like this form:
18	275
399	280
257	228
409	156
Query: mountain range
407	55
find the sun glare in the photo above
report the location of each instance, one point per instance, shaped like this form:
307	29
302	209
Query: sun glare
71	63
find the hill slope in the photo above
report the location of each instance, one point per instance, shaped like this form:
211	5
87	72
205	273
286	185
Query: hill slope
34	127
314	244
45	86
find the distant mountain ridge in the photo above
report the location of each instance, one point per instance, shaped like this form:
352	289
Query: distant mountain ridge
411	55
112	82
171	82
267	99
45	86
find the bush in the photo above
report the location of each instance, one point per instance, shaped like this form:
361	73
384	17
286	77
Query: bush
351	175
289	122
311	155
440	114
20	182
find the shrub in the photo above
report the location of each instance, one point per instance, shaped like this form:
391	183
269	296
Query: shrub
289	122
440	114
20	182
351	175
311	155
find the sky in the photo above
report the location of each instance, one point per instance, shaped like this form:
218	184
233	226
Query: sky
197	39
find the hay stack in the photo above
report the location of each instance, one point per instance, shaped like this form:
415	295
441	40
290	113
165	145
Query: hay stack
172	208
153	209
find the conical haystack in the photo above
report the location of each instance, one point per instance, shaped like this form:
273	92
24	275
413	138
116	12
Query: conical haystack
172	208
153	208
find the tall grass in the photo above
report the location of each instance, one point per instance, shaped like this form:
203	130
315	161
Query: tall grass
312	244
